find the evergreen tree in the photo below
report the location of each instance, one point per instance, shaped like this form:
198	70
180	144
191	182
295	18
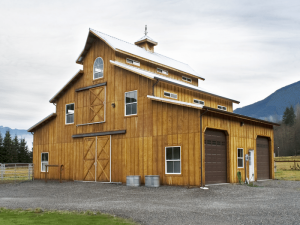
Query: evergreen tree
1	149
7	145
24	155
292	116
15	149
289	116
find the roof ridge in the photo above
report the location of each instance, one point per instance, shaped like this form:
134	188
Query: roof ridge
113	37
138	46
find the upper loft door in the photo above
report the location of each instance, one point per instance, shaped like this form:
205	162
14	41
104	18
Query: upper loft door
97	104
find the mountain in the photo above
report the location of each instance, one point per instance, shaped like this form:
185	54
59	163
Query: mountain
20	133
274	105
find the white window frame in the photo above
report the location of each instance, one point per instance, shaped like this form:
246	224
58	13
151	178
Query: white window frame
187	79
172	160
67	114
222	107
198	101
134	62
44	161
94	69
170	95
131	103
165	72
240	157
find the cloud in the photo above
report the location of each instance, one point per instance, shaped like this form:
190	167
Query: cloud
245	49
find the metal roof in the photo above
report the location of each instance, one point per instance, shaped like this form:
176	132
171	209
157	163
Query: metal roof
45	120
153	76
129	48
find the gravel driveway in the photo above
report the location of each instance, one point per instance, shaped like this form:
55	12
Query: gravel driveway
275	202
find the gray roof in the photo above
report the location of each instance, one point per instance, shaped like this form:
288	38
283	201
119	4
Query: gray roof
45	120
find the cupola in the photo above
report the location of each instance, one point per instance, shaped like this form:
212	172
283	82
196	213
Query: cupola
146	42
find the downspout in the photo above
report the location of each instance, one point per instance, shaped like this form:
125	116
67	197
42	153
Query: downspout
201	114
154	86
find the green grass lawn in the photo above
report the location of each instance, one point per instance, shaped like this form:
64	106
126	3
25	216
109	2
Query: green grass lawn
38	217
284	171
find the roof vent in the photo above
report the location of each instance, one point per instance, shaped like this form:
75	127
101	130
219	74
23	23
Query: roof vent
146	42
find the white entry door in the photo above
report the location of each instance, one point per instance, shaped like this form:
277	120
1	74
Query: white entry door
251	165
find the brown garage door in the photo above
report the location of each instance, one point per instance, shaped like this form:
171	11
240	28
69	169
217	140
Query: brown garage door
215	157
263	158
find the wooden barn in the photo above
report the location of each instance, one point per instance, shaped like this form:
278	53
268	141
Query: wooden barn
132	111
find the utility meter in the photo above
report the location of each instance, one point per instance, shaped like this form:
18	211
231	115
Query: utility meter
247	157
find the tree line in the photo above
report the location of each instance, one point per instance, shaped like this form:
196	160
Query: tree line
287	136
13	150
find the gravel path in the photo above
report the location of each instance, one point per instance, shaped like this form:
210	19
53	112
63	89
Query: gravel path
275	202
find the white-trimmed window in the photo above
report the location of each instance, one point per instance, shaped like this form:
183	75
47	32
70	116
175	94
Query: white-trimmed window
170	95
133	62
198	102
130	103
70	113
240	158
44	161
98	68
173	160
222	107
165	72
187	79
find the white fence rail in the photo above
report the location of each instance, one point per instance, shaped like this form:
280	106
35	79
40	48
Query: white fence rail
16	172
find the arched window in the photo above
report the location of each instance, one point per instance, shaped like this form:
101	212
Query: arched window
98	68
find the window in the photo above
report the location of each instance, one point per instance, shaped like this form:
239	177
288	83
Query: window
131	103
170	95
187	79
44	161
198	102
98	68
173	161
131	61
240	158
162	71
222	107
70	113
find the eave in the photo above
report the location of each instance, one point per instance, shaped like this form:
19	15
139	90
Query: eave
66	87
42	122
239	116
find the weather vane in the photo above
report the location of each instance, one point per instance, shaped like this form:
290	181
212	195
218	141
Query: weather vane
146	32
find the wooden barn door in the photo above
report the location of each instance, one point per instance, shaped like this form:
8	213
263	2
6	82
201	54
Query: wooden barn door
96	159
103	158
89	171
97	105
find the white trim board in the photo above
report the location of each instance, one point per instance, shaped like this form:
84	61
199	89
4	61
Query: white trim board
174	102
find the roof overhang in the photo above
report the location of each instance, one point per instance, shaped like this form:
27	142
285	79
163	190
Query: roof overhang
174	102
66	87
146	40
239	116
42	122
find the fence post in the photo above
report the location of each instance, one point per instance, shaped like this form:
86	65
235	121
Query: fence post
32	170
28	171
2	168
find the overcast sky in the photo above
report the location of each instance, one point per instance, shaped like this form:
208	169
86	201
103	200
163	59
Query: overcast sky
245	49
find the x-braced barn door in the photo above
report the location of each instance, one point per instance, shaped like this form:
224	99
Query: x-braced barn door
96	159
97	105
103	158
89	171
